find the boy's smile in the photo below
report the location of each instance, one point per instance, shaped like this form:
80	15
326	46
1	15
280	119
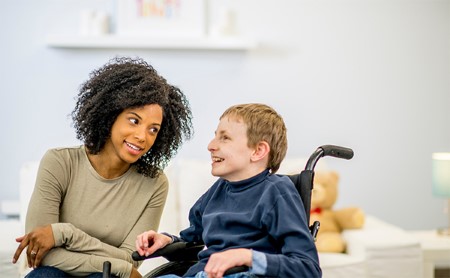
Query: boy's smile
217	159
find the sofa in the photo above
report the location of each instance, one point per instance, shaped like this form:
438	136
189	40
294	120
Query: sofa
377	250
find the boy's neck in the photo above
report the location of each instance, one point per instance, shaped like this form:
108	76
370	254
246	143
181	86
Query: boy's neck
251	171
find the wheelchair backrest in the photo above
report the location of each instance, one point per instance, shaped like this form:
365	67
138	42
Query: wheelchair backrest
304	184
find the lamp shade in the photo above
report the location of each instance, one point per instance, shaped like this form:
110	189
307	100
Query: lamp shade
441	174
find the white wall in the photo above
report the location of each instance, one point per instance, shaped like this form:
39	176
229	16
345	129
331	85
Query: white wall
372	75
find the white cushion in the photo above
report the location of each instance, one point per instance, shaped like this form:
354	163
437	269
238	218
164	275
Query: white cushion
336	265
388	250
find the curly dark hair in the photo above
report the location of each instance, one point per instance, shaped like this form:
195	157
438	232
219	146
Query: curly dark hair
124	83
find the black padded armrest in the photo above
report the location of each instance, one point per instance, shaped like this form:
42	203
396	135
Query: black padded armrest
236	269
183	252
178	251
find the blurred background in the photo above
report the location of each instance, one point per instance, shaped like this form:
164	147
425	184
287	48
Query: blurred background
372	75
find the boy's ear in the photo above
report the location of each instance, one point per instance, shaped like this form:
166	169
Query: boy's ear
262	150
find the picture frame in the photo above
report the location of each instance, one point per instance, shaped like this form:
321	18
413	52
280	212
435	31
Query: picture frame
161	18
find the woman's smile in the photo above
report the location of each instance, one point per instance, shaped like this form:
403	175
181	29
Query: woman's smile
133	149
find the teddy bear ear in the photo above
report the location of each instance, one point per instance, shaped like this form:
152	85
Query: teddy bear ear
334	176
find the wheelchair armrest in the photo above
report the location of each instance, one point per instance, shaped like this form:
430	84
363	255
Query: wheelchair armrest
181	255
178	251
314	229
236	269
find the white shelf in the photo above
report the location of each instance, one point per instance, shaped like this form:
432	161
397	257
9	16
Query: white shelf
123	42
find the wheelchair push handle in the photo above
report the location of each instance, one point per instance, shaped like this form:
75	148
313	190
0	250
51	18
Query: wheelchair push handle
337	151
328	150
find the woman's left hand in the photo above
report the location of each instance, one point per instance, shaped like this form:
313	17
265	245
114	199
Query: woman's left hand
39	242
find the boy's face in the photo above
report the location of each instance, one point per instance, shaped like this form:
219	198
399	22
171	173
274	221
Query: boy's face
231	157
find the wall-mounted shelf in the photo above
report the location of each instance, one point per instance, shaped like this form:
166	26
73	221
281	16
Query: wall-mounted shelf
123	42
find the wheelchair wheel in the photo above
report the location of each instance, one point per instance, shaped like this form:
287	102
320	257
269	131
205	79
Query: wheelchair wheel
177	268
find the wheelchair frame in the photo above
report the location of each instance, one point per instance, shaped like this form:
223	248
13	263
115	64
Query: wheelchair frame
182	255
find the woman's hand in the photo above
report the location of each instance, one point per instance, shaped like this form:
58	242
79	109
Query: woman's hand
148	242
220	262
38	243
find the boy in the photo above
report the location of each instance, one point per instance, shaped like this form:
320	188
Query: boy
249	216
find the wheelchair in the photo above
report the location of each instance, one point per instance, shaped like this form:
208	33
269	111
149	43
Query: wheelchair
182	255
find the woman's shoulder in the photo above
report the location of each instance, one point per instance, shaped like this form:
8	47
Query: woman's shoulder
64	154
66	150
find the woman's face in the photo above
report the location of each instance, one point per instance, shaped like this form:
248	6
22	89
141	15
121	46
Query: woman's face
134	132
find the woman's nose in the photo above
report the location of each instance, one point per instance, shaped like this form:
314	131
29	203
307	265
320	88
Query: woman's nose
140	134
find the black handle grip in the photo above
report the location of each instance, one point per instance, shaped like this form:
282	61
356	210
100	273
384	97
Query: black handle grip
106	269
169	250
337	151
138	257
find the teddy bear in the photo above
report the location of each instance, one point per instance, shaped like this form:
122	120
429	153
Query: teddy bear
332	221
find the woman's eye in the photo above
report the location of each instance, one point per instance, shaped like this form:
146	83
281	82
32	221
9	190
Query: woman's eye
133	120
154	130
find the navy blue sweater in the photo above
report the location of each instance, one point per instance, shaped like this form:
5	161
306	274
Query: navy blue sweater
264	213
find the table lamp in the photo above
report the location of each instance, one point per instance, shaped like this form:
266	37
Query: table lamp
441	182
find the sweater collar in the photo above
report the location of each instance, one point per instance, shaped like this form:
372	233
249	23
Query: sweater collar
247	183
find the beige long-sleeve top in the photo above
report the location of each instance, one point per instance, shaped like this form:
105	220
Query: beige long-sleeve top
93	219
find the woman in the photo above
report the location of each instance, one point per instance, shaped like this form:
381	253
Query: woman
91	201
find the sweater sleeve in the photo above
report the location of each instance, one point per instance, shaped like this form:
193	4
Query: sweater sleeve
48	193
286	222
82	264
75	240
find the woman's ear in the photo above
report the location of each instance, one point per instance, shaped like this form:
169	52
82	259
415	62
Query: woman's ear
262	151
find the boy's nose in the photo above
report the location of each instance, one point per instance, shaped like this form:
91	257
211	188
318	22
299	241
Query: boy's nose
211	145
